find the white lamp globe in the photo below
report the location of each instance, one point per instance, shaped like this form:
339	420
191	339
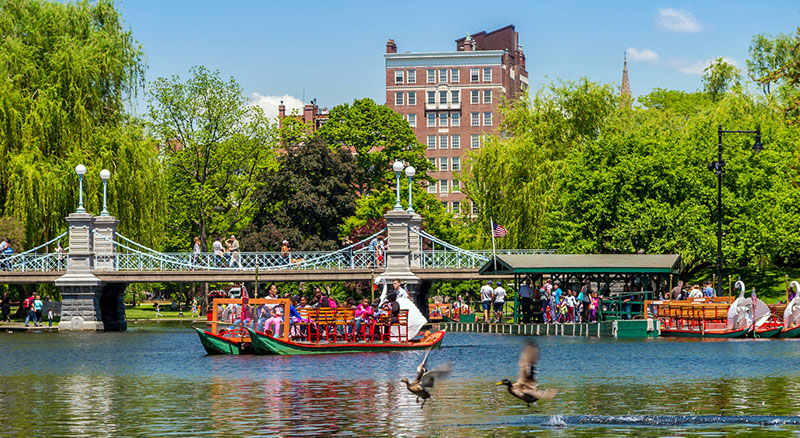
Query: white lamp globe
105	174
397	166
410	171
80	169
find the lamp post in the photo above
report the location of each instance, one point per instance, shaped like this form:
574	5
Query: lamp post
717	167
398	167
410	172
80	169
104	175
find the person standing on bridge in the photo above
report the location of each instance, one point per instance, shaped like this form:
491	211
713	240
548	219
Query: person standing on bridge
233	249
285	252
196	252
219	252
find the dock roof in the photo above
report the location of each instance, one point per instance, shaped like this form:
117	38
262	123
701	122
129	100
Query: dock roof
582	264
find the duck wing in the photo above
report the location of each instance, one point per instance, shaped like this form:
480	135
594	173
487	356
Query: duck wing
528	359
438	372
531	390
421	370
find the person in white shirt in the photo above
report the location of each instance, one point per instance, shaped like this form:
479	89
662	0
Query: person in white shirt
486	299
570	300
499	301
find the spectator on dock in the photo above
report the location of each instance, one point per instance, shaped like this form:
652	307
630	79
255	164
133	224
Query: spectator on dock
29	311
499	302
586	300
593	307
569	298
6	307
677	291
487	297
526	301
50	316
557	292
37	307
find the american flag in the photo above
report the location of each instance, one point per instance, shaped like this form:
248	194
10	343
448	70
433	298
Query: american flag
498	230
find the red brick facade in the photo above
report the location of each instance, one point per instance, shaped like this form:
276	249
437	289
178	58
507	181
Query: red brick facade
451	99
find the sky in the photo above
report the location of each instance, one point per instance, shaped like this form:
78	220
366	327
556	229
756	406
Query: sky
333	51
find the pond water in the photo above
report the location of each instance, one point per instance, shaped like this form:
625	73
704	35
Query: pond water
157	380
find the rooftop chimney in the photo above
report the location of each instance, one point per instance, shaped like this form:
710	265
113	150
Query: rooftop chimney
391	47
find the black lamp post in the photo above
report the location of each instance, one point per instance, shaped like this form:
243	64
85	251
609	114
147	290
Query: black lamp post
717	167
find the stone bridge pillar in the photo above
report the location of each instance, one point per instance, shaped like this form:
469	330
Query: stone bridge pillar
88	303
414	241
399	255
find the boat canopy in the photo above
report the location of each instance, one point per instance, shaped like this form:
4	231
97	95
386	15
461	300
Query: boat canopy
582	264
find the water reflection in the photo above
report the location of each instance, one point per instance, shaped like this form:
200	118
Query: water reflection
150	382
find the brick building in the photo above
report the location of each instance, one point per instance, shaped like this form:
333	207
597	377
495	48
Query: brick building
451	100
312	115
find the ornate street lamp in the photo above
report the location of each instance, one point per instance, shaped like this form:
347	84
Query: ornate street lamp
104	175
410	172
717	167
80	169
398	167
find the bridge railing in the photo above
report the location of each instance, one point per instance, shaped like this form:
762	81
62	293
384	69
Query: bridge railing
34	262
465	259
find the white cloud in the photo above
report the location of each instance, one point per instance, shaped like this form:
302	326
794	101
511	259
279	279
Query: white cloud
677	20
697	67
644	55
270	104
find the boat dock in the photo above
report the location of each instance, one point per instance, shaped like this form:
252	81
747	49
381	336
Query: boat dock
638	328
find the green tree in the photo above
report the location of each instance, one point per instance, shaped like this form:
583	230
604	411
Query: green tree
377	136
786	74
304	200
768	54
674	100
719	77
215	145
66	71
513	178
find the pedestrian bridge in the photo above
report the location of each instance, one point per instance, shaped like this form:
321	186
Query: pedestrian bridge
99	263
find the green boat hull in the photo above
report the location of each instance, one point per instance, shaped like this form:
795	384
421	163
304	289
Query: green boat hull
218	345
770	333
708	334
790	333
265	344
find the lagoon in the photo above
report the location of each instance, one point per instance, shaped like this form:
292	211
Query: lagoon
156	379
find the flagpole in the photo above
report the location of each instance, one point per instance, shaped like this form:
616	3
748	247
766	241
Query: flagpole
494	250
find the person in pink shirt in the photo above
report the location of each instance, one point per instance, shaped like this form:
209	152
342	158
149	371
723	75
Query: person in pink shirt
275	321
363	313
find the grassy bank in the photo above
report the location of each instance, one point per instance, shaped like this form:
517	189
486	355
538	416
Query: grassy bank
770	284
147	311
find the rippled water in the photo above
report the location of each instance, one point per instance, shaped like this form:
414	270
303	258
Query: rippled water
157	380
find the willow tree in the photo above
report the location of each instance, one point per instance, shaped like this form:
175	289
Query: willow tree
512	179
66	71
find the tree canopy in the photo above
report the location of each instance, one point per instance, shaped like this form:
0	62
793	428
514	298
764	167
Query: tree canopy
66	71
215	144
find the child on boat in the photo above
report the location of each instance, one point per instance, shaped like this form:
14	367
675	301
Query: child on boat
363	313
275	321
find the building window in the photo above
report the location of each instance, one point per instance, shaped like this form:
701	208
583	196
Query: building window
432	188
443	120
475	142
474	97
487	96
443	167
443	75
455	119
398	76
412	76
431	120
456	186
432	142
398	98
454	96
487	74
442	142
456	205
431	97
444	205
476	119
431	76
454	75
474	209
487	119
412	120
443	97
412	98
455	165
443	186
474	75
455	141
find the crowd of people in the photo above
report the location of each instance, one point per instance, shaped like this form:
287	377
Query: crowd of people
556	305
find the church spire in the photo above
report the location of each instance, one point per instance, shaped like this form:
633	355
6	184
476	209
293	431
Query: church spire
625	90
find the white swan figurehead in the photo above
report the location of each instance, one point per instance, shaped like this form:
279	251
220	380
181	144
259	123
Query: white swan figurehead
791	316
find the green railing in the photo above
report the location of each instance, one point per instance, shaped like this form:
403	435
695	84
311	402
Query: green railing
625	305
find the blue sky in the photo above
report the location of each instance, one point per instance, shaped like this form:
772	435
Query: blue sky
334	50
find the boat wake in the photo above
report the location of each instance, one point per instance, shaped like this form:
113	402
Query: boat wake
669	420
